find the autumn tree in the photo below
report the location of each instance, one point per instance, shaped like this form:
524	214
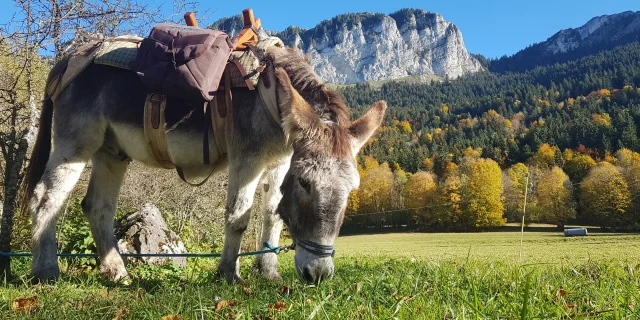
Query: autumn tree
421	191
605	196
577	165
546	156
481	192
629	162
514	182
376	188
554	197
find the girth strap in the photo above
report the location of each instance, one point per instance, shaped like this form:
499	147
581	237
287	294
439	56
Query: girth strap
154	129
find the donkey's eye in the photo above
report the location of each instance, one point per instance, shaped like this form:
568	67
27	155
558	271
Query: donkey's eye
305	184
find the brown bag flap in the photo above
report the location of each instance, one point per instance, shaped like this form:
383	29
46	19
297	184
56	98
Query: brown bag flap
183	43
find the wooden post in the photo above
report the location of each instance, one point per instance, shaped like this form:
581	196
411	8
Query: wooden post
190	19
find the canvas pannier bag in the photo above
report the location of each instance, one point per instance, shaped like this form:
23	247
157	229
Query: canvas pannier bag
183	62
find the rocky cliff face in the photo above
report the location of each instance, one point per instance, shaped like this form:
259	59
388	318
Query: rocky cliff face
599	30
361	47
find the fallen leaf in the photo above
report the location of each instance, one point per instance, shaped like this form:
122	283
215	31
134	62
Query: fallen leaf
278	306
172	317
569	305
103	293
561	293
360	307
286	290
357	287
309	301
121	314
24	304
246	290
419	309
405	298
225	303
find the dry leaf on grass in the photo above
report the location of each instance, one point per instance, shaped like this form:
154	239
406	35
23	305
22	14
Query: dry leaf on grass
569	305
246	290
121	314
286	290
172	317
278	306
225	303
24	304
561	293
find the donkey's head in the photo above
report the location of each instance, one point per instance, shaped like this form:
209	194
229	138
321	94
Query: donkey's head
323	170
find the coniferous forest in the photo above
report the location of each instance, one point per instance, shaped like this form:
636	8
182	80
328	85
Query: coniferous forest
568	128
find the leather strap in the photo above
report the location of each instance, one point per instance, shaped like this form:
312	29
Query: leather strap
269	94
197	184
154	129
246	77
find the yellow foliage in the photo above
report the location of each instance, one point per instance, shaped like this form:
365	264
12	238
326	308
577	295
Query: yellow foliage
602	119
554	198
482	194
369	163
577	165
473	153
376	188
444	109
508	124
421	190
545	156
605	93
405	126
605	196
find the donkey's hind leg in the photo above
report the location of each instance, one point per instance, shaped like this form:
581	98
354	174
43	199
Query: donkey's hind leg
61	174
267	264
99	207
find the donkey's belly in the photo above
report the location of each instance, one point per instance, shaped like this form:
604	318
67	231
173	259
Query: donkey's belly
185	149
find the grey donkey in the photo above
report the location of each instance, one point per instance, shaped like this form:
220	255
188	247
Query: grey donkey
306	161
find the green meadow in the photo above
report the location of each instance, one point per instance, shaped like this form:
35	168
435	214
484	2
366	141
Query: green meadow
387	276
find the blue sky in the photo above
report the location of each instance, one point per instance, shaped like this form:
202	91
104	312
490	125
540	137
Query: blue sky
489	27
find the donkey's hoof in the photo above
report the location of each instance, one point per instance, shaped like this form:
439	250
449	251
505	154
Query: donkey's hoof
269	275
114	274
231	277
45	275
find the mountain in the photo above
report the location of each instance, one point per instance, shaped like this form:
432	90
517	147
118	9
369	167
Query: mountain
600	33
358	47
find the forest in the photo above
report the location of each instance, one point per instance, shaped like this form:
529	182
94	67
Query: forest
570	128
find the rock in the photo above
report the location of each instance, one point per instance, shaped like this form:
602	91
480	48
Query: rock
145	231
360	47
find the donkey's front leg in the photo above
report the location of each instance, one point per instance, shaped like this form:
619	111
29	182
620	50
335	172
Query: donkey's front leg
242	187
267	264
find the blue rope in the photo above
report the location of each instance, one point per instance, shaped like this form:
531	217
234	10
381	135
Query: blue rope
270	249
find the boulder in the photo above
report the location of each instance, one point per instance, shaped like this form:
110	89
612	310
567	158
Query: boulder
146	231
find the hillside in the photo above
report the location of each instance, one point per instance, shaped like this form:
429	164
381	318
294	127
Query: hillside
600	33
509	116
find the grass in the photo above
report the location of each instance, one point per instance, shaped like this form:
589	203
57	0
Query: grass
404	276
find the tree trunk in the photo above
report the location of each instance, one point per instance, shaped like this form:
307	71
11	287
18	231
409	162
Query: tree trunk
11	187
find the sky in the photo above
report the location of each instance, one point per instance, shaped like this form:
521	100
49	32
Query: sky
489	27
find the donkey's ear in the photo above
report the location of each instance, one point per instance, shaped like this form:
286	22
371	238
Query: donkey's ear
298	116
362	129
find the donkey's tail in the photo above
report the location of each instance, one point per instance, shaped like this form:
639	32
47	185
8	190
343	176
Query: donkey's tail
39	155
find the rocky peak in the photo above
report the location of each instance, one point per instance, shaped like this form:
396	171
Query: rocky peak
357	47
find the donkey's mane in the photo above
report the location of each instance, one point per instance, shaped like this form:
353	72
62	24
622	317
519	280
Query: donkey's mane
327	103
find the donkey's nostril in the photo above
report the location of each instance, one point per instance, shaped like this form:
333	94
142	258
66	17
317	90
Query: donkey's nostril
307	274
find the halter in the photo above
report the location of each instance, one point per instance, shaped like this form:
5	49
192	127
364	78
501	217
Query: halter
317	249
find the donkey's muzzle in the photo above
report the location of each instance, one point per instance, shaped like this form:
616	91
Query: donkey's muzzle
313	268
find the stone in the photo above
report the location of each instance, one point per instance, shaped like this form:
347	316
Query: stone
145	231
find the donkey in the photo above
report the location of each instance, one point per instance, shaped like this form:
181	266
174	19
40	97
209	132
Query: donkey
307	162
